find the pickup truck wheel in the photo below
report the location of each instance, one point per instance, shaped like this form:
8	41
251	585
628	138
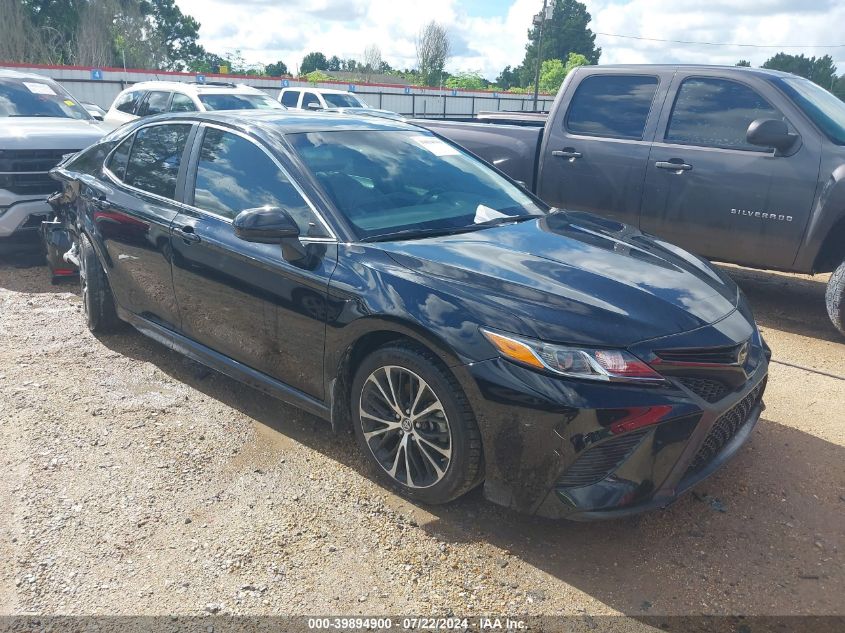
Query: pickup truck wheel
415	425
835	297
97	298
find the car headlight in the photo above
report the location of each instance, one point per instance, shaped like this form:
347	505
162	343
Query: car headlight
574	362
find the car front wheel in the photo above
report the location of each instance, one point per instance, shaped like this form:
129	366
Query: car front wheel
835	298
415	425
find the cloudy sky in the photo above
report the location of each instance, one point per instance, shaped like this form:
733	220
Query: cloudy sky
487	35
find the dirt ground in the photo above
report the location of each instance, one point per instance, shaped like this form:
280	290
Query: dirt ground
137	482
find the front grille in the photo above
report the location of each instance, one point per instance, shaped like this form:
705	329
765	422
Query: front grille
598	462
727	355
725	428
706	389
17	167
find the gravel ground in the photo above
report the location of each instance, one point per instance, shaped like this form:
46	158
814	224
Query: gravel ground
138	482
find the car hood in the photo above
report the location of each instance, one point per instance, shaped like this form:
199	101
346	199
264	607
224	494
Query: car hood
48	133
576	278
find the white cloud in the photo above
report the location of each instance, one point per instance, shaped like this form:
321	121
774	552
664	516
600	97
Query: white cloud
269	30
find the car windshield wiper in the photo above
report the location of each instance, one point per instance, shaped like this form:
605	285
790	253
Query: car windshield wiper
505	219
413	234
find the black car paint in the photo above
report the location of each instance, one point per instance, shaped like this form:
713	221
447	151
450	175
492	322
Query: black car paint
716	209
296	329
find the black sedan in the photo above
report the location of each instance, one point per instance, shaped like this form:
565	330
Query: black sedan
381	278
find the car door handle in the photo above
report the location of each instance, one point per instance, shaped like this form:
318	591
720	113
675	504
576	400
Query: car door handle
187	234
566	152
676	166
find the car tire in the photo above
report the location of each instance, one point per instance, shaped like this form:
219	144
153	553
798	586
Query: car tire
441	458
835	298
97	299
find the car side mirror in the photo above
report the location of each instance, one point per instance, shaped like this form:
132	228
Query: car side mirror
270	225
314	106
772	133
98	117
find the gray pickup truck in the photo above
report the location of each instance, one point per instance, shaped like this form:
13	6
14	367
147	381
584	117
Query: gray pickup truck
738	165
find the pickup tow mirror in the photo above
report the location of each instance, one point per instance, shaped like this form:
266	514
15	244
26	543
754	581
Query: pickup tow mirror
314	106
770	133
270	225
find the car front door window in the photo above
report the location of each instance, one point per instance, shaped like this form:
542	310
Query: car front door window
234	174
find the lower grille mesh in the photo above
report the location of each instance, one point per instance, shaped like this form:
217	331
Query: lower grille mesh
725	428
598	462
706	389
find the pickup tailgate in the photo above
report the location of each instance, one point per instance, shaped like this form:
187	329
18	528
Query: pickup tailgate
511	148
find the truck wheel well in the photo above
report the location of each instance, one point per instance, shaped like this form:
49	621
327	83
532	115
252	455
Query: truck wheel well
833	249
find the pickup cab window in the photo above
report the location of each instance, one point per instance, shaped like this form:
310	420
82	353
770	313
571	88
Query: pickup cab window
716	113
290	98
615	106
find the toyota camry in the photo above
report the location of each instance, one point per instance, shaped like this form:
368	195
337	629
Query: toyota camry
395	285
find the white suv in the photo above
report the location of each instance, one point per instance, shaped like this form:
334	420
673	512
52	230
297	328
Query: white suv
319	99
157	97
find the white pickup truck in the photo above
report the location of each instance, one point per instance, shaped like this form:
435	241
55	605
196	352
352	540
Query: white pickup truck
39	123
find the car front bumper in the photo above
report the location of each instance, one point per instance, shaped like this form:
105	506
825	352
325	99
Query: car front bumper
586	450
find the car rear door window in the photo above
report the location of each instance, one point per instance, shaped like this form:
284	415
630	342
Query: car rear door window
716	113
290	98
129	101
182	103
234	174
308	98
117	161
154	103
155	159
615	106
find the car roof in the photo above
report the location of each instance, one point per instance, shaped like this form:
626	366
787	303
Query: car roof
16	74
291	121
195	88
693	68
325	91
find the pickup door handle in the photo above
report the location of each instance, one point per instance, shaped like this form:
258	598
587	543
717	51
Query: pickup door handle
566	152
187	234
673	165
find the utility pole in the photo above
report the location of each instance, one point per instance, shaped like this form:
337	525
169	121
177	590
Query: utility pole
540	19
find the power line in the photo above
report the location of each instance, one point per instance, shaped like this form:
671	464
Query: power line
656	39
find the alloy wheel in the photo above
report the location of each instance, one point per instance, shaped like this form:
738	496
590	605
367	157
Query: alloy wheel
405	427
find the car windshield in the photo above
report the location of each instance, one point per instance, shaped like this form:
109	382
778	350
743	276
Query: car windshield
229	101
342	101
390	182
825	109
37	98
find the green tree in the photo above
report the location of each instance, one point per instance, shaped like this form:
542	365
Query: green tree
507	78
317	76
554	71
276	69
839	87
567	32
467	81
313	61
334	63
821	70
744	63
176	32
